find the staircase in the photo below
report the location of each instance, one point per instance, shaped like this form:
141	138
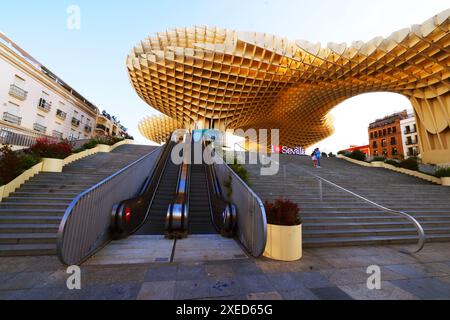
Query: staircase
332	217
30	217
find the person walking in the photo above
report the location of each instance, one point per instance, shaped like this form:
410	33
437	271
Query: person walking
314	159
318	157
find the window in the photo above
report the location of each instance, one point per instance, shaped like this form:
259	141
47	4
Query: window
394	151
393	141
383	143
408	129
380	133
394	130
375	144
376	134
18	81
384	132
389	130
13	108
371	135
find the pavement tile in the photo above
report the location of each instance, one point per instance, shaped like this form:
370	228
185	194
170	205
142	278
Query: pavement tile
216	270
388	291
164	290
312	279
331	293
222	287
192	289
244	268
264	296
113	275
24	280
254	283
189	272
104	292
425	288
300	293
161	273
284	281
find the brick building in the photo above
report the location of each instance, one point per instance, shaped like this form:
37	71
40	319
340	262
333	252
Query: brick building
385	136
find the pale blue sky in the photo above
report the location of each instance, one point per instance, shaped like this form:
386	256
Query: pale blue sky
92	59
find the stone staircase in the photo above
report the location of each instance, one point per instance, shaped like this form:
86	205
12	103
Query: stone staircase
332	217
30	217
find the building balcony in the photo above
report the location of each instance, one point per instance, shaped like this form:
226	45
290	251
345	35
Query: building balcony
44	105
39	128
57	134
411	131
61	114
88	128
76	122
17	92
412	143
8	117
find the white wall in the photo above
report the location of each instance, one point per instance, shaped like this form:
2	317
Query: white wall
28	108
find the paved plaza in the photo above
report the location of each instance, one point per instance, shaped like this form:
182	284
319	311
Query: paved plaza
328	273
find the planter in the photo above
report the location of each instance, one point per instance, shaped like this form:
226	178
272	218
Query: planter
284	243
445	181
52	165
103	148
377	164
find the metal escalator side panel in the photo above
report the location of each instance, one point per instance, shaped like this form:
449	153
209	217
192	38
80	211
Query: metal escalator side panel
130	215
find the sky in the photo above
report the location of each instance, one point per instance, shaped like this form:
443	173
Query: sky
91	59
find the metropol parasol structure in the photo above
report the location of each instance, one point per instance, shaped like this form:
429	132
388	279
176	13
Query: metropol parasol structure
226	79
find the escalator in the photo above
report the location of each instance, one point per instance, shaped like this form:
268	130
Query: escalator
177	200
199	203
156	220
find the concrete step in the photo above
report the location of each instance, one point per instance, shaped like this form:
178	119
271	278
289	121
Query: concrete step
28	238
9	250
16	219
29	228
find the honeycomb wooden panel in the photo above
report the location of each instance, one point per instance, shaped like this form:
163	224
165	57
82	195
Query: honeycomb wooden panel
228	79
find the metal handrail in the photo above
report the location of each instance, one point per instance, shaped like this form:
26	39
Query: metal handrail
420	230
257	249
76	238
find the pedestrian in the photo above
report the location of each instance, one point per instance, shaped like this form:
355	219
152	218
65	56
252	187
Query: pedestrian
314	159
318	157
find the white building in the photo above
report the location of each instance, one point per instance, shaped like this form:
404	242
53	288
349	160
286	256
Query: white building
34	102
410	137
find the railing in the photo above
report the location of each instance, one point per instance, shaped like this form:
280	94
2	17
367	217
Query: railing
417	225
61	114
88	129
411	143
8	117
251	214
85	227
76	122
7	136
18	92
57	134
101	127
411	131
39	128
44	105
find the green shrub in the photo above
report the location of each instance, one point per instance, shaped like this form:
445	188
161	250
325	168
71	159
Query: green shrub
331	155
392	162
443	173
283	213
28	161
358	155
382	159
343	153
79	150
90	145
410	163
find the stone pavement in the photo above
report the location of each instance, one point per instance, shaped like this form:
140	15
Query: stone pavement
326	273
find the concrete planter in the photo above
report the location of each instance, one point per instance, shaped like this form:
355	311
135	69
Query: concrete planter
446	181
52	165
284	243
103	148
377	164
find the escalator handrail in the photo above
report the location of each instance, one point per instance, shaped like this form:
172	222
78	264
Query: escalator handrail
157	174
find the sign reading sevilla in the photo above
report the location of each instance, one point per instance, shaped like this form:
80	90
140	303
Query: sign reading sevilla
296	151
